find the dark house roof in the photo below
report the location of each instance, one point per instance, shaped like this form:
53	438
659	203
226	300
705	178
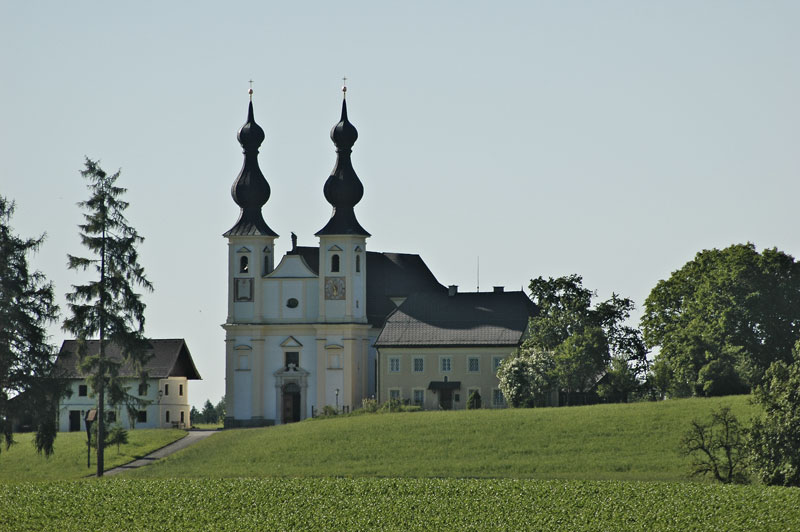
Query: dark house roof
171	358
466	319
388	275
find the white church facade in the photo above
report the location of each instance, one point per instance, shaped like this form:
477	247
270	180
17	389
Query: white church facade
301	334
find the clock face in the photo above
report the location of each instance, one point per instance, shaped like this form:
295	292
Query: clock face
334	288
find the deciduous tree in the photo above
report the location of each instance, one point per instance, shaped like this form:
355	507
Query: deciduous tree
724	317
26	358
107	307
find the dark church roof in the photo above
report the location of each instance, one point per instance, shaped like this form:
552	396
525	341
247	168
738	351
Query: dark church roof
467	319
388	275
171	358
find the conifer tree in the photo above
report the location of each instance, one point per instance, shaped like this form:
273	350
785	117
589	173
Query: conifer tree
107	308
26	359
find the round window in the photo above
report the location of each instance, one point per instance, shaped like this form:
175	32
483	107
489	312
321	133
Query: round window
292	302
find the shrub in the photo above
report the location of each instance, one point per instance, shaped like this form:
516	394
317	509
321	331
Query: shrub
369	405
329	410
474	400
775	439
717	447
392	405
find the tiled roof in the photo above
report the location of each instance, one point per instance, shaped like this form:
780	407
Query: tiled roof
171	358
466	319
388	275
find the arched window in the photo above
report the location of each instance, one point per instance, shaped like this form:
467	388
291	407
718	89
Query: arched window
243	265
358	263
334	263
267	269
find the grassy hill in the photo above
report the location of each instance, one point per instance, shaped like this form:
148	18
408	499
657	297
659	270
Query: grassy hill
21	463
602	442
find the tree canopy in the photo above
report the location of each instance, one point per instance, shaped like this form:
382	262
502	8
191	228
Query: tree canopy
723	318
571	343
107	307
26	357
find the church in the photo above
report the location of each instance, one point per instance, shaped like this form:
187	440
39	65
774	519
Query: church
334	324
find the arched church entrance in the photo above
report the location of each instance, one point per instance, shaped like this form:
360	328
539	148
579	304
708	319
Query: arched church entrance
291	403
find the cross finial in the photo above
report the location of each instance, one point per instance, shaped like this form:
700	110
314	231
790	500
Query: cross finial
250	90
344	87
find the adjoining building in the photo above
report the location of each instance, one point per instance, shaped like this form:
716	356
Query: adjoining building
164	395
436	349
302	335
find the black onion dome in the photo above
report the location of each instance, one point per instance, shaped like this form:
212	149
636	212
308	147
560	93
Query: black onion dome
250	190
343	189
344	134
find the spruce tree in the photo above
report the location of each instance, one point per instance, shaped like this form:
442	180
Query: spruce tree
26	359
107	308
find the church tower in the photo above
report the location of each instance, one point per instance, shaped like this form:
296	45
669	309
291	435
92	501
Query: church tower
343	275
251	245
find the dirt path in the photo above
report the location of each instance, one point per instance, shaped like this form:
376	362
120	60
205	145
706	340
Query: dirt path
191	438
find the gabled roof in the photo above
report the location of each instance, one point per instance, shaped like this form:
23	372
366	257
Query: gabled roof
171	358
388	275
466	319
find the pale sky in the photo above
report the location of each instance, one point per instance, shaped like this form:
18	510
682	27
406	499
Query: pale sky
609	139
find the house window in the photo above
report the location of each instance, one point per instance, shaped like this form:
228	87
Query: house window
111	417
358	263
141	416
180	389
244	265
419	396
473	364
419	365
446	364
394	365
82	390
166	389
167	416
334	263
496	363
394	393
142	389
182	417
291	357
497	398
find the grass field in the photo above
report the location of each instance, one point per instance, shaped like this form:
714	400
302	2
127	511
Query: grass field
602	442
604	467
21	463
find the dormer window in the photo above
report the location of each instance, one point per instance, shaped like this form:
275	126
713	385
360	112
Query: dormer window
244	265
335	263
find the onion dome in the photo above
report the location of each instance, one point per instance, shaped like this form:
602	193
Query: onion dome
250	190
343	190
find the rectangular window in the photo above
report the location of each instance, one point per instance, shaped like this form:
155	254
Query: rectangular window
394	365
166	389
394	393
141	416
183	418
167	416
496	363
497	398
180	389
419	365
142	389
446	364
292	357
419	397
111	417
473	364
82	390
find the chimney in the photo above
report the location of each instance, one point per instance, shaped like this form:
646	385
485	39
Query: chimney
452	290
499	289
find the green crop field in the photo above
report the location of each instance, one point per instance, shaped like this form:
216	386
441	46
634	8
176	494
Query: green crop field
394	504
603	467
21	463
602	442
